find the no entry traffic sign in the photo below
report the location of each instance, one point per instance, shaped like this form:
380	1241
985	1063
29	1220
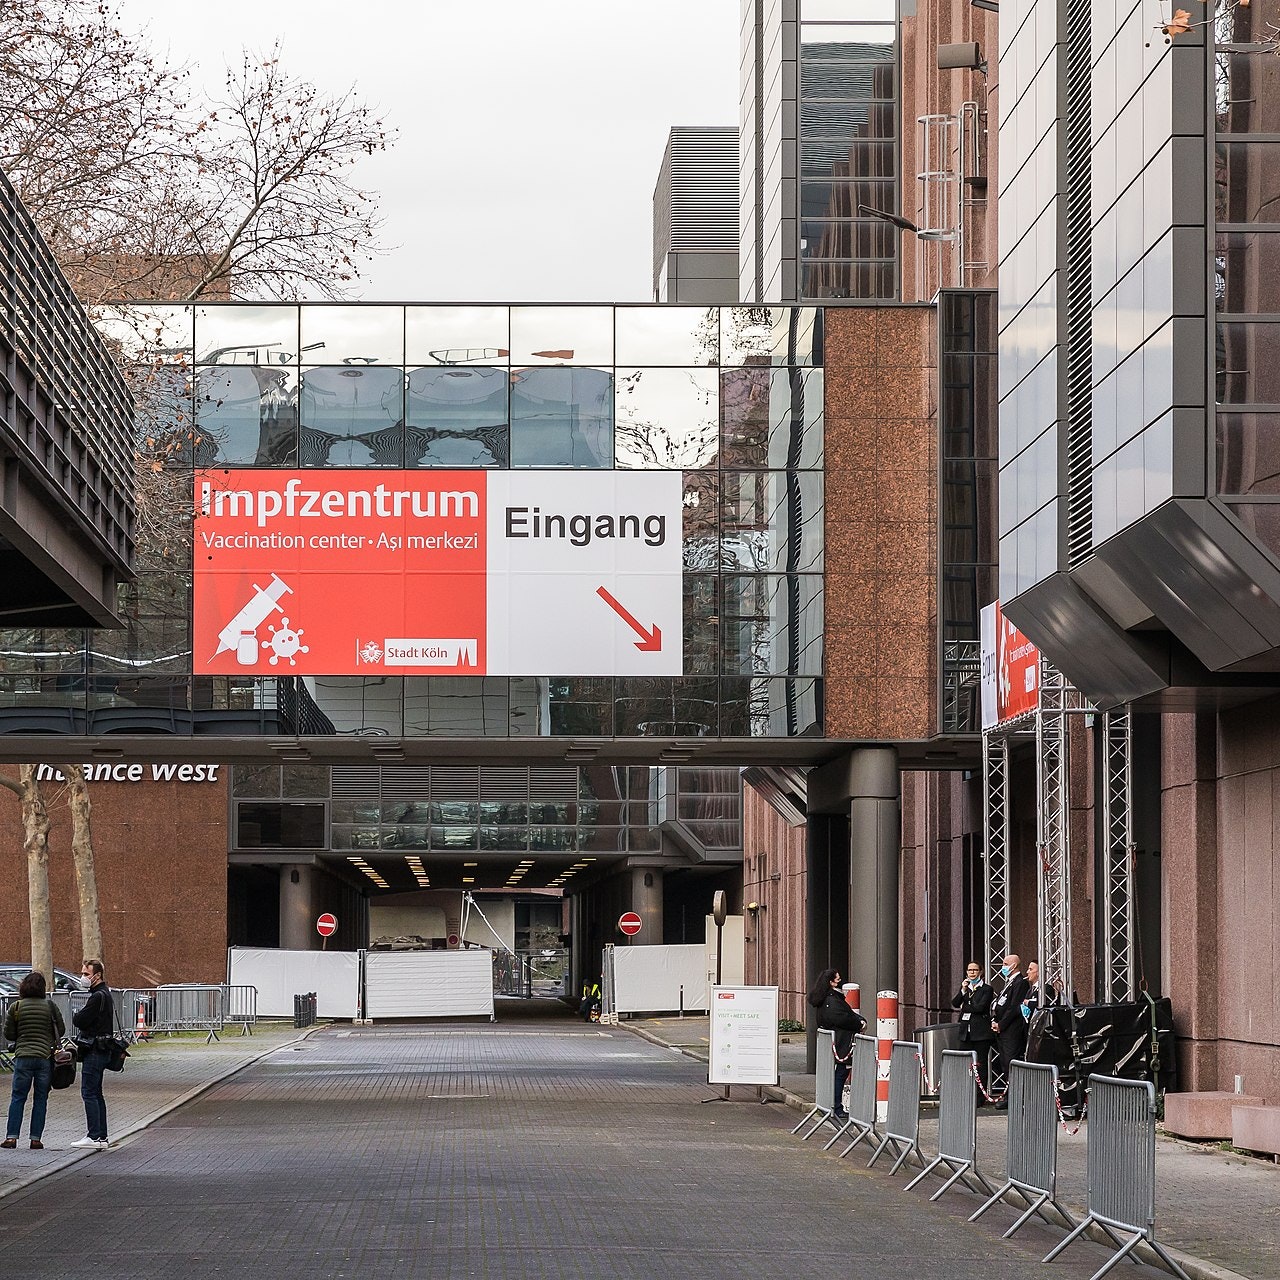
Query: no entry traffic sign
326	924
630	923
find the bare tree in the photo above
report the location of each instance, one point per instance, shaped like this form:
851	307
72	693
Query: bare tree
35	840
142	192
82	859
279	215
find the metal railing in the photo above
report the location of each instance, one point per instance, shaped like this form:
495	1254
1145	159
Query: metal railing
862	1094
240	1006
530	974
957	1123
1121	1161
824	1089
1031	1151
902	1126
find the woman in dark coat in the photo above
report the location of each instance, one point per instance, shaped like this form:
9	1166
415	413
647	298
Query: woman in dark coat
35	1024
974	1002
834	1014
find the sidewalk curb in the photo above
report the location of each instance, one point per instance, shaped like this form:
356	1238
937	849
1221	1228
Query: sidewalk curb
1196	1268
74	1157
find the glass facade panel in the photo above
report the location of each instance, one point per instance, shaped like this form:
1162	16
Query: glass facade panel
562	335
665	419
772	418
746	438
352	416
266	335
1248	452
562	418
337	334
246	416
457	335
668	335
457	417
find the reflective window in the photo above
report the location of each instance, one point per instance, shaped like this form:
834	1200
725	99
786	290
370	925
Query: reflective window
457	417
770	335
352	417
246	335
771	520
146	333
457	335
1248	369
333	333
246	415
561	418
772	624
1249	453
665	419
772	417
668	335
562	335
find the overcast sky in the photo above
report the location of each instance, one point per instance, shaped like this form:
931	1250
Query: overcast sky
530	131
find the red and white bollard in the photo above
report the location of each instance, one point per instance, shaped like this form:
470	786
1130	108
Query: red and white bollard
886	1034
853	996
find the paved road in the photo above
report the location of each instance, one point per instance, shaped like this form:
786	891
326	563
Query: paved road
526	1149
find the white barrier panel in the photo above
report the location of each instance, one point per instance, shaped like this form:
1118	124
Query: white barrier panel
649	979
428	984
280	975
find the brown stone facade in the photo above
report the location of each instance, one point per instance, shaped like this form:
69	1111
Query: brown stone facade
881	523
161	855
1221	826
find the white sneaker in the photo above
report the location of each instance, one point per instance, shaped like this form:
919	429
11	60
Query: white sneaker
89	1142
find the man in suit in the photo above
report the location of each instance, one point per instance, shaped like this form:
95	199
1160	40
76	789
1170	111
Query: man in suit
1007	1020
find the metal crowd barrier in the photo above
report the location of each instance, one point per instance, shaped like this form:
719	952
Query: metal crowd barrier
190	1007
240	1006
957	1123
6	1062
862	1094
824	1089
902	1127
1121	1162
1031	1144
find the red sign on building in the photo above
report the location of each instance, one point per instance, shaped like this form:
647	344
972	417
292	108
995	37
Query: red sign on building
630	923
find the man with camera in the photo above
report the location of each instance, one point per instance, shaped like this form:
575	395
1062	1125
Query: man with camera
95	1031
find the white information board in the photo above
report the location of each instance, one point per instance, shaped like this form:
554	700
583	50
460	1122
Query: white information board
744	1035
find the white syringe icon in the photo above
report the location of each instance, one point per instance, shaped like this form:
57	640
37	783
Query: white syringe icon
264	603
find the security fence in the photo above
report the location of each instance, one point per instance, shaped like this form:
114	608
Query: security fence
1031	1153
862	1094
1122	1170
902	1127
957	1124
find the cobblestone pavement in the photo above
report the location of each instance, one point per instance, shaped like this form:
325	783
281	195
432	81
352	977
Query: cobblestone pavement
1218	1211
533	1147
157	1075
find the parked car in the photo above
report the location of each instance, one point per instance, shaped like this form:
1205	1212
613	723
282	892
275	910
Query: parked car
11	974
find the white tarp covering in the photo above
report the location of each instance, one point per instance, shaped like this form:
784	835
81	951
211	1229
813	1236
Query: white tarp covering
649	979
428	984
280	975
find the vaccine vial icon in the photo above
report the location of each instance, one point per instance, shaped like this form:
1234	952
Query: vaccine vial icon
247	649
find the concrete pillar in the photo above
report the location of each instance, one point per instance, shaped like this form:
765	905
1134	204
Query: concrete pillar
817	922
874	879
298	907
646	901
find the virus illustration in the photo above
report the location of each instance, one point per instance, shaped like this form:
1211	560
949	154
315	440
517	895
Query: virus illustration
370	651
285	643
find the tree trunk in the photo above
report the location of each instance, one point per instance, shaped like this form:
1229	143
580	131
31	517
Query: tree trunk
82	856
35	839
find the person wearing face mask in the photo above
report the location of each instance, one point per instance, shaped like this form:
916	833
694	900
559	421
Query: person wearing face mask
974	1001
1007	1022
836	1015
1036	997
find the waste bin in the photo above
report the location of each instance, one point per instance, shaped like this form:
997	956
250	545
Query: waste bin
933	1042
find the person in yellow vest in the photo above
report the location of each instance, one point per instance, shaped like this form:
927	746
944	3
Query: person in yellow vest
589	1006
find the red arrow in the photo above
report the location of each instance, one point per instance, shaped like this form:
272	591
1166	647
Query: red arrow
652	642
